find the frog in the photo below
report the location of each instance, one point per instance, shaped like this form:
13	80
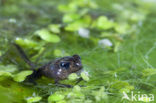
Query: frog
58	69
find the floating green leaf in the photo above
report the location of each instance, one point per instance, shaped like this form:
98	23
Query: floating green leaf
55	28
33	99
70	17
47	36
77	88
73	26
5	74
122	28
104	23
8	68
72	7
84	76
72	76
22	75
26	42
55	97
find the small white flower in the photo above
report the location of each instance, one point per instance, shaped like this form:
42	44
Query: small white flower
12	20
17	38
84	32
105	43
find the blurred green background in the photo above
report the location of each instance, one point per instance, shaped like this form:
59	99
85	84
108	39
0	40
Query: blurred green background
116	40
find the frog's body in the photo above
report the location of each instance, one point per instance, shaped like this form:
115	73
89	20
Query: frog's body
58	69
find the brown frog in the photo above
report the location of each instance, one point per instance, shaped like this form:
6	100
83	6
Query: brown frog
58	69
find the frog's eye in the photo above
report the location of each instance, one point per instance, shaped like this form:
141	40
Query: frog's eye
65	65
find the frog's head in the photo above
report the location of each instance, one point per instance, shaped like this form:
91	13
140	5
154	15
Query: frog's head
68	65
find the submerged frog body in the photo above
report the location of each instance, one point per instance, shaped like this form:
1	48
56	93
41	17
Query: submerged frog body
58	69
